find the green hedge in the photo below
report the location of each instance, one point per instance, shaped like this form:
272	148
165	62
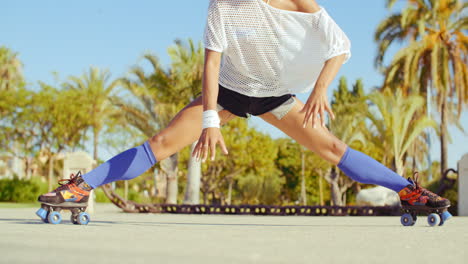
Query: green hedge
20	190
26	191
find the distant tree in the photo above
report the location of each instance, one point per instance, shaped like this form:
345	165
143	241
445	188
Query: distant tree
17	139
187	65
157	96
289	163
96	87
147	110
251	162
10	70
349	125
252	173
435	57
396	120
57	122
13	97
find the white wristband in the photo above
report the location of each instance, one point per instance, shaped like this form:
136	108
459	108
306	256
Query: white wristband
210	119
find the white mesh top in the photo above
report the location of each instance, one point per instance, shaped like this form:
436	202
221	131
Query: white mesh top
269	51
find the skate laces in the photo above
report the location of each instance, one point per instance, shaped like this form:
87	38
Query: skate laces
420	189
64	183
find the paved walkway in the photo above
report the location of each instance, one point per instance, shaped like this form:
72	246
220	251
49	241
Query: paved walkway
115	237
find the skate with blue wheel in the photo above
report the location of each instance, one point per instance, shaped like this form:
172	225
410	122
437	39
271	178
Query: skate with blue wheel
71	195
416	200
435	216
50	213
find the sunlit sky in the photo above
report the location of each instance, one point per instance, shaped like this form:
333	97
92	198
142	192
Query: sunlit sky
69	36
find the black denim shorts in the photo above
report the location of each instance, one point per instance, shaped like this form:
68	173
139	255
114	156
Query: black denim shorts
243	105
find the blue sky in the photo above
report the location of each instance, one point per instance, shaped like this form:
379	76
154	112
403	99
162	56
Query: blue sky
69	36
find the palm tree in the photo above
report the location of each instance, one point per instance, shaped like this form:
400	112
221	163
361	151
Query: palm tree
10	97
148	110
97	88
398	122
163	92
435	57
350	127
187	64
10	69
160	94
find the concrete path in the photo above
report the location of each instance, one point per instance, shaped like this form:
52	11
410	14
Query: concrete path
115	237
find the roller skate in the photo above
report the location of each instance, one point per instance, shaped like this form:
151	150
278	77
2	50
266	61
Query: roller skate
417	200
72	195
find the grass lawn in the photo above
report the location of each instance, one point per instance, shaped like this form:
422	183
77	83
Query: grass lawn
19	205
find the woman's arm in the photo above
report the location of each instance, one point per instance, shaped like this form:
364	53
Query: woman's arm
210	79
211	134
318	104
329	72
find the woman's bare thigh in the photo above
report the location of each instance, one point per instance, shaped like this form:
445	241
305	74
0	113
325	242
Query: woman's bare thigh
184	129
318	140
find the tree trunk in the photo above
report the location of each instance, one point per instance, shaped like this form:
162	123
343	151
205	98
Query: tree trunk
399	166
413	164
205	197
335	190
335	194
428	132
429	158
169	166
51	171
229	196
161	184
27	167
303	185
192	191
155	180
172	188
126	190
320	189
443	139
95	144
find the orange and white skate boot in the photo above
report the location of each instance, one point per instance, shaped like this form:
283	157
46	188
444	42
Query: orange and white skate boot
73	190
417	200
72	195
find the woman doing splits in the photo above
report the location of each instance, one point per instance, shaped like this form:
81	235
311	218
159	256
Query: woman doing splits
257	55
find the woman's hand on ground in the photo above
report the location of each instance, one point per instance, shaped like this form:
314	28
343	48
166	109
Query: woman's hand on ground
207	143
315	108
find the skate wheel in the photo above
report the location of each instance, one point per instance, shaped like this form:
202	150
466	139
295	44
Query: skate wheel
54	218
407	220
444	217
433	219
42	213
82	219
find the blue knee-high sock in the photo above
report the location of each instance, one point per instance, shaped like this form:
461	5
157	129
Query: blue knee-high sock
364	169
125	166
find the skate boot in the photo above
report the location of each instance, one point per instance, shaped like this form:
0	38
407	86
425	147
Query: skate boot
72	194
71	191
416	200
